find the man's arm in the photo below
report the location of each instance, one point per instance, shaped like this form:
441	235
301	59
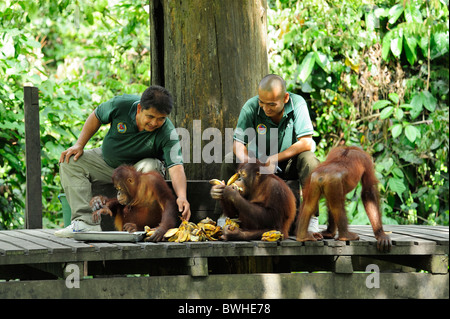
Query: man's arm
241	152
304	143
89	129
178	178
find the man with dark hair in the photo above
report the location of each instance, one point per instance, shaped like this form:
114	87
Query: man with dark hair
140	134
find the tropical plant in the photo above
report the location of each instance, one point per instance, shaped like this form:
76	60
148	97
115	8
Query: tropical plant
78	54
376	76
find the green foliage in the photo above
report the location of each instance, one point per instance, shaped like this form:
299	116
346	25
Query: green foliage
377	77
375	74
79	54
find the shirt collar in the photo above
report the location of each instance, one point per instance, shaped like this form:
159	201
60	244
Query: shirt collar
132	113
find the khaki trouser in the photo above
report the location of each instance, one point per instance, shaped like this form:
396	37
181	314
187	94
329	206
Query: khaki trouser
84	178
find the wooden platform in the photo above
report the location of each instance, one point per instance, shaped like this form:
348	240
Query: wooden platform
34	264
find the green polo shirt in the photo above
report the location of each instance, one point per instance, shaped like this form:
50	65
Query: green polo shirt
262	136
124	144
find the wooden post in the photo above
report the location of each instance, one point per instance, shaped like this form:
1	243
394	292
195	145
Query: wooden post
211	56
33	203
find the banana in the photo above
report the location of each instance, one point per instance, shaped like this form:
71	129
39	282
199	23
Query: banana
206	229
272	235
232	223
149	231
233	179
207	220
171	232
185	236
215	181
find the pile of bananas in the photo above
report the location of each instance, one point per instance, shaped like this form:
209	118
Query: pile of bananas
231	181
272	235
206	229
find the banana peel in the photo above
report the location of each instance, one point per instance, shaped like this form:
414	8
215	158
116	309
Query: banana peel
232	223
205	230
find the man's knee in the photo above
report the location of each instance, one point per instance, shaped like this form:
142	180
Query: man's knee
307	160
306	163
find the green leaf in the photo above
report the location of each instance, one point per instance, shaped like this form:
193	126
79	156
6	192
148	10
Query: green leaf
395	12
380	104
387	163
397	185
396	130
396	46
412	14
371	20
386	47
398	172
429	101
417	105
387	112
394	97
399	114
307	66
322	60
439	44
411	133
410	49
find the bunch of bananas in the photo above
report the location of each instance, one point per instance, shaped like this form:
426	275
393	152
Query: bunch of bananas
272	235
206	229
231	181
232	223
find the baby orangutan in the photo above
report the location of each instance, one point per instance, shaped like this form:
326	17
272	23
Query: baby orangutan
143	199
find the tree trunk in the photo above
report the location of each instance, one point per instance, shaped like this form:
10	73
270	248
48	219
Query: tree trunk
211	55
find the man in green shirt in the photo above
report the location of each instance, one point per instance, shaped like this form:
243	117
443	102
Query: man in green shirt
274	127
140	134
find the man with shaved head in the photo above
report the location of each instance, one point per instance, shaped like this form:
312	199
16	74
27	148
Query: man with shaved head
275	128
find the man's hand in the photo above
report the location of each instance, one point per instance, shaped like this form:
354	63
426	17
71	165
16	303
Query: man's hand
271	165
75	150
184	208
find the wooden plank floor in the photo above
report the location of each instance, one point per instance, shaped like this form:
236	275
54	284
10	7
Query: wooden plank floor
41	246
32	263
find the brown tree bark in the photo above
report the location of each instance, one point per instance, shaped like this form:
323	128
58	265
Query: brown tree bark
211	55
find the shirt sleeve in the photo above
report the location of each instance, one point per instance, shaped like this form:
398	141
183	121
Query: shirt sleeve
302	121
171	147
105	111
245	129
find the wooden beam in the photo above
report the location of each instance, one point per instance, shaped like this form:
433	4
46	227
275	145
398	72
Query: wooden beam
244	286
33	201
